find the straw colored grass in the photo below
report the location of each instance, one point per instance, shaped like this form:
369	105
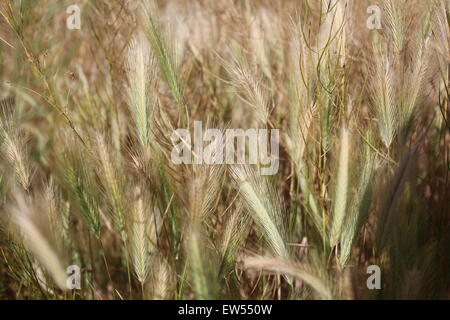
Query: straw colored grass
87	176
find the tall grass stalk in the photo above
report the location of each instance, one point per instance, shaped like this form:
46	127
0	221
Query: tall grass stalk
341	190
36	242
265	207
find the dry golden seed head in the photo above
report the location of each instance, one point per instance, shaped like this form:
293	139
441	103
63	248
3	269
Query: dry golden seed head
35	242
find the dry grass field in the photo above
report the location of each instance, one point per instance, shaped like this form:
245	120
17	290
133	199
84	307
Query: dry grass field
89	108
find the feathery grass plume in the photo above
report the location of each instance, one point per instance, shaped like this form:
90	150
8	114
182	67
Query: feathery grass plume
413	84
110	179
427	18
249	87
203	271
35	241
78	181
258	42
54	214
164	58
341	190
205	184
235	230
163	282
14	146
396	22
311	203
201	263
204	188
359	209
140	246
441	30
383	98
140	72
265	206
290	268
146	228
67	239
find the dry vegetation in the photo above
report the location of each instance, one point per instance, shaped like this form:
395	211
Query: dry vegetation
86	177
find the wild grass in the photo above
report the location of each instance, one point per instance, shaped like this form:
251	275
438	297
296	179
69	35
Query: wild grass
341	191
86	176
